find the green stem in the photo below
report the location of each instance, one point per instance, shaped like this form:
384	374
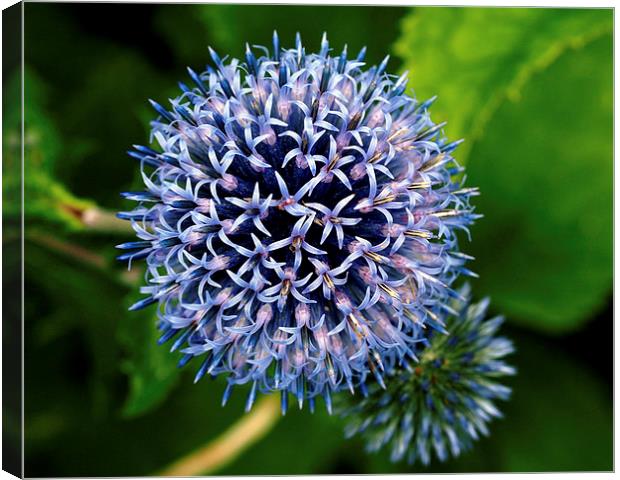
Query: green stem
97	219
84	255
64	247
230	444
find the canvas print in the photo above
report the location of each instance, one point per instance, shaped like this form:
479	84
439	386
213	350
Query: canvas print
307	239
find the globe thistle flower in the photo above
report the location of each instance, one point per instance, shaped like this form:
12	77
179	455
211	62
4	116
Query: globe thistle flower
298	221
443	402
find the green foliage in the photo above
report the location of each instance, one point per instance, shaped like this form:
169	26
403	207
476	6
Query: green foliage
46	200
476	58
151	368
529	89
545	244
531	92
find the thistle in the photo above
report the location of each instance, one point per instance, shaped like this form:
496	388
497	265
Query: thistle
298	221
443	402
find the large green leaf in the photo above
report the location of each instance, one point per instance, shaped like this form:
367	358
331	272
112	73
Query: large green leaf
545	170
476	58
531	91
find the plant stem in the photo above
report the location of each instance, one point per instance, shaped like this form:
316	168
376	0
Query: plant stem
97	219
230	444
84	255
64	247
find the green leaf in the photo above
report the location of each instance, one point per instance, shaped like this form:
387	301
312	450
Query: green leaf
545	172
151	367
531	91
476	58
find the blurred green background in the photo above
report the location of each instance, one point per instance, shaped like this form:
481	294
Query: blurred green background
529	89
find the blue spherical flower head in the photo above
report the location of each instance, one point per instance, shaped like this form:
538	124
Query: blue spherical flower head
445	400
298	221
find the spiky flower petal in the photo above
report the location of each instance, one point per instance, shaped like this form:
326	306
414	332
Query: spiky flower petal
445	400
298	221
